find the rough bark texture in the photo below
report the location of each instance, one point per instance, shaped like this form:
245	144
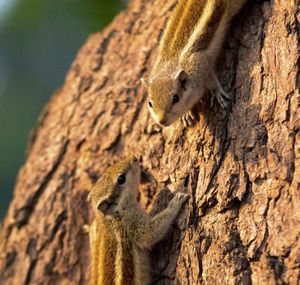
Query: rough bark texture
241	167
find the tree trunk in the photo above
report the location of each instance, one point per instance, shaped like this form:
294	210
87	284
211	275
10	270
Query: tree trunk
241	167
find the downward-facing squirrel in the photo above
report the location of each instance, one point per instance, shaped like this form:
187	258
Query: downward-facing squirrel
187	54
122	232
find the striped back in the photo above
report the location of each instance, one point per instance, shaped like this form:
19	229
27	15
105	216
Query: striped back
113	258
192	26
207	26
124	263
180	27
104	249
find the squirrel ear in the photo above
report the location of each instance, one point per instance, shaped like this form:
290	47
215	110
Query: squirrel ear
145	82
181	76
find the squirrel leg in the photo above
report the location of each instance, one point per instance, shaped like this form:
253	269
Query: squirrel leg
218	92
154	229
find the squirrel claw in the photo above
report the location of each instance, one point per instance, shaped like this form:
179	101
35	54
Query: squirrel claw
222	98
189	119
218	93
179	199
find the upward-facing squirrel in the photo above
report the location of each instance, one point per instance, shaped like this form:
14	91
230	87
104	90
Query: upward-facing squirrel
187	54
122	232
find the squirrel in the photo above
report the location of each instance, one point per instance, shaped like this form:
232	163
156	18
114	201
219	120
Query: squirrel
122	232
187	54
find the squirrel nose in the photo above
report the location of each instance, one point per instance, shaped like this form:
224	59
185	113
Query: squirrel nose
162	121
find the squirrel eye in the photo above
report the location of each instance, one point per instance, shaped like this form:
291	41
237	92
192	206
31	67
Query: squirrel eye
175	99
121	179
150	104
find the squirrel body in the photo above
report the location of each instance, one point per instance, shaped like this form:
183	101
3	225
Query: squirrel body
188	51
122	232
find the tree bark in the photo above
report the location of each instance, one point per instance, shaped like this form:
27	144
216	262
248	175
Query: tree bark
241	167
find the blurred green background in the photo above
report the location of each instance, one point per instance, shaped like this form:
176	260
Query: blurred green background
38	41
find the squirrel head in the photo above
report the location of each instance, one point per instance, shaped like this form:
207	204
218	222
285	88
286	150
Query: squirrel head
170	97
118	182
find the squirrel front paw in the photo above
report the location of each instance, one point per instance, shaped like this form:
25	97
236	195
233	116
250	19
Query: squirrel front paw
217	92
222	97
178	200
189	119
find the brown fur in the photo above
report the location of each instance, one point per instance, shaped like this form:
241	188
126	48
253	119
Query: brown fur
191	43
177	32
121	233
